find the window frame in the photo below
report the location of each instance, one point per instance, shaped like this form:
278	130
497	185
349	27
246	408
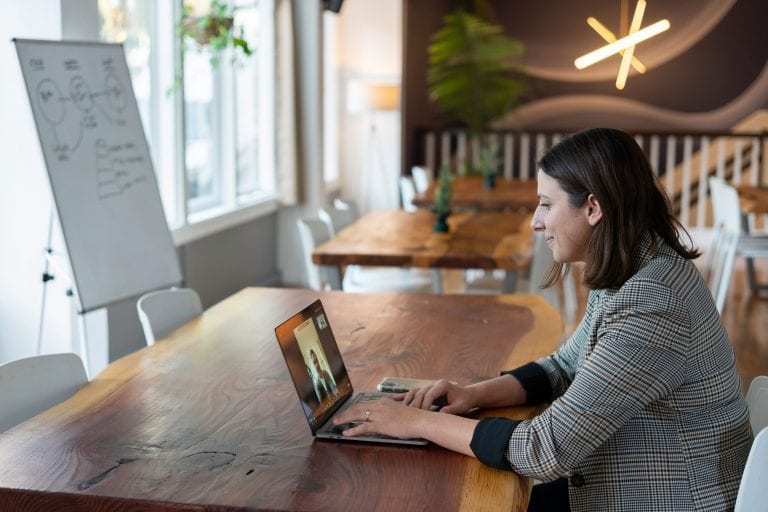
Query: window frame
188	222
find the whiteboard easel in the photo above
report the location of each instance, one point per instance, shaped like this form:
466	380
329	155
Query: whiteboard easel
100	171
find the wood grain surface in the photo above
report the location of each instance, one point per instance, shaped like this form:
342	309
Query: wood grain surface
207	419
470	193
753	199
486	240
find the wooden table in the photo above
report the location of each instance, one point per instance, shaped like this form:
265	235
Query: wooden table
208	419
476	239
470	193
753	199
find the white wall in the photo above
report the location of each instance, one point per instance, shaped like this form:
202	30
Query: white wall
370	47
25	202
30	310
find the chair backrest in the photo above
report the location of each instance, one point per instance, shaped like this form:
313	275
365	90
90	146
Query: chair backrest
31	385
726	206
721	270
163	311
752	489
407	193
715	193
336	218
421	178
757	401
313	232
725	242
347	204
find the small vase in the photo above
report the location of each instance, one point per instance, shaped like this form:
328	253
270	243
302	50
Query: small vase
441	222
490	180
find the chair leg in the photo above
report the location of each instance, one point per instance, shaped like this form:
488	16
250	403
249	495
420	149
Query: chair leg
437	281
751	275
510	282
333	276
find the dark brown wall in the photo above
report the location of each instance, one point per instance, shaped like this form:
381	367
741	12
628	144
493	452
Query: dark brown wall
709	75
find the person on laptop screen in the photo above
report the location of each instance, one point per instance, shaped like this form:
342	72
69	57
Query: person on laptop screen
316	362
646	405
325	386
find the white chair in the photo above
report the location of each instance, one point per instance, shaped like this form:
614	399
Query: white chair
757	402
421	178
314	232
753	493
347	204
31	385
729	240
563	297
407	193
163	311
722	259
337	218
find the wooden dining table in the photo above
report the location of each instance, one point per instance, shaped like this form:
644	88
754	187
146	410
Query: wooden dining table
475	240
471	193
208	419
753	199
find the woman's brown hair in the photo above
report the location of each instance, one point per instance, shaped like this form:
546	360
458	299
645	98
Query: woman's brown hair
610	165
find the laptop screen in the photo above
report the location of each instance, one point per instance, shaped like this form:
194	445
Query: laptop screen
314	363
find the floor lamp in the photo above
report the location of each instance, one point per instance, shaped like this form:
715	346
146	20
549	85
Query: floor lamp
373	98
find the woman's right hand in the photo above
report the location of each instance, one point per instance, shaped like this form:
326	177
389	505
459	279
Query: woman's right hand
449	396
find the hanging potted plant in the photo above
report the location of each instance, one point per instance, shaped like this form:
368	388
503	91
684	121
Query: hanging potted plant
475	75
213	31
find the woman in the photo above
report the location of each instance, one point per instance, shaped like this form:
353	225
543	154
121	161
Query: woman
646	405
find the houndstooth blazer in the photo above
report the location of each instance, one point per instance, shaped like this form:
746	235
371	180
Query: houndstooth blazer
647	410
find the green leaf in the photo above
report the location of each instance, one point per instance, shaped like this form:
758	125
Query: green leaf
474	73
214	31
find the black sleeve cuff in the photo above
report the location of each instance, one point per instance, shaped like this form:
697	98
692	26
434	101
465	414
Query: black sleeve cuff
490	440
534	381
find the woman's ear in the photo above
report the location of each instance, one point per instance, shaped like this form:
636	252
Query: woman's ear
594	212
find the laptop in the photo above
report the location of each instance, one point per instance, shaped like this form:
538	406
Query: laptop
320	377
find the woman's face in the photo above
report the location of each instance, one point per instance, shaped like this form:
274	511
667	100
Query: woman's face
566	229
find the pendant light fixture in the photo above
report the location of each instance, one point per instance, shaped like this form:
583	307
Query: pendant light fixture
625	45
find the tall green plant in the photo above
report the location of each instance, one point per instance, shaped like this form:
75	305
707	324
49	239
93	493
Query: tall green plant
474	70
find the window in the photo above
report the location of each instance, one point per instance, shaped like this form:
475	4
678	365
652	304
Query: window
213	150
131	28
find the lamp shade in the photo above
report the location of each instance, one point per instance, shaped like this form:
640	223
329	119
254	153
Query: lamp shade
364	96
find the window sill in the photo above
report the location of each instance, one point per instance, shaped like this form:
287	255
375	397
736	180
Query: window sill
213	221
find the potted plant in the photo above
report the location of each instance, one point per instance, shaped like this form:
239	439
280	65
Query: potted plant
442	203
213	31
475	75
488	163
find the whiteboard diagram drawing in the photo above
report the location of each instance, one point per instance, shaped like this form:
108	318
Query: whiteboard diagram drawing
113	163
100	169
69	116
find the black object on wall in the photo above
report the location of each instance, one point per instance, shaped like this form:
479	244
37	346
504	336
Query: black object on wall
333	5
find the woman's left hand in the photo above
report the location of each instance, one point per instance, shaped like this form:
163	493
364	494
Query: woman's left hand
386	417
